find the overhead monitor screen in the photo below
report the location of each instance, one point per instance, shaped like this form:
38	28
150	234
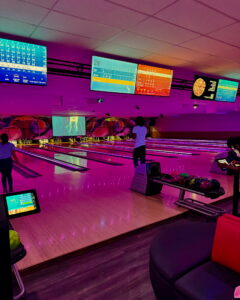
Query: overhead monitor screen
214	89
204	88
22	62
21	203
110	75
68	126
226	90
153	81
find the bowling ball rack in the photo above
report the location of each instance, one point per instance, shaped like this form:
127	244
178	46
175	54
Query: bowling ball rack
198	206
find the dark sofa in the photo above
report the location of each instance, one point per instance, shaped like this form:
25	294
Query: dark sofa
181	266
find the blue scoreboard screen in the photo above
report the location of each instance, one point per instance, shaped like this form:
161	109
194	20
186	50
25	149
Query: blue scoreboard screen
226	90
110	75
23	62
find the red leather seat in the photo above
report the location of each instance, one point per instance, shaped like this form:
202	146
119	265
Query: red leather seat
226	245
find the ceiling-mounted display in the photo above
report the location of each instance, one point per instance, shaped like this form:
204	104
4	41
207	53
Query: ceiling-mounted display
153	81
214	89
226	90
204	88
110	75
22	62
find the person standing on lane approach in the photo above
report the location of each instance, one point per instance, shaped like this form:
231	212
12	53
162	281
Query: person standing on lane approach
139	134
7	150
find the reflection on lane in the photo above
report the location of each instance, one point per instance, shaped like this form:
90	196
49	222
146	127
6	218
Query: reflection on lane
82	154
65	158
71	159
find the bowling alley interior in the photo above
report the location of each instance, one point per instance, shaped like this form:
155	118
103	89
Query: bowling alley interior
119	149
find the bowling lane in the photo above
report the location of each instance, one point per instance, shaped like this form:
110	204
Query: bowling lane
129	149
121	156
83	162
170	147
188	140
110	160
115	151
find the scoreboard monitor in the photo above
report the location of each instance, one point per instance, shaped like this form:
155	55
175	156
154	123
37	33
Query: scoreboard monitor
204	88
226	90
153	81
214	89
23	62
21	203
110	75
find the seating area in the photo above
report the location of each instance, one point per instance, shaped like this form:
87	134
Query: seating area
196	260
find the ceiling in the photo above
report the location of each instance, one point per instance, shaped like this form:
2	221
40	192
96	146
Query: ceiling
202	35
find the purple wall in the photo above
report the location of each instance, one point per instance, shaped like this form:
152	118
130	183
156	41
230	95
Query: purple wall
229	122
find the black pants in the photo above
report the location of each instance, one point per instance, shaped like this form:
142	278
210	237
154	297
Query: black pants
139	153
6	171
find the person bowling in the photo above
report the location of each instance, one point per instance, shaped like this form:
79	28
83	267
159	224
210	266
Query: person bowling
139	133
7	150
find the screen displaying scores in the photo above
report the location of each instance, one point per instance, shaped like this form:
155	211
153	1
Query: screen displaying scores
109	75
22	62
21	203
214	89
153	81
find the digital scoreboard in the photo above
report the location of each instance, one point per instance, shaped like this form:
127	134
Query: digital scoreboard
227	90
153	81
22	62
110	75
214	89
21	203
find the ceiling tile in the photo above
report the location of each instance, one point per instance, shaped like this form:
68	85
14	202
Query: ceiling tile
44	3
233	75
229	34
145	6
112	48
162	31
194	16
210	46
65	38
74	25
165	60
229	7
15	27
100	11
22	11
181	53
140	42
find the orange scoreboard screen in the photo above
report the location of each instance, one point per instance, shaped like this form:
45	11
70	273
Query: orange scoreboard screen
153	81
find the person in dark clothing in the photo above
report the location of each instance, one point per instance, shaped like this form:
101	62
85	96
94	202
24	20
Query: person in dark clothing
139	133
234	154
7	150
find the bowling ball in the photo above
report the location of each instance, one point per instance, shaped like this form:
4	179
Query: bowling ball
184	174
174	173
175	179
192	182
205	185
178	179
215	184
14	239
166	176
188	180
198	182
